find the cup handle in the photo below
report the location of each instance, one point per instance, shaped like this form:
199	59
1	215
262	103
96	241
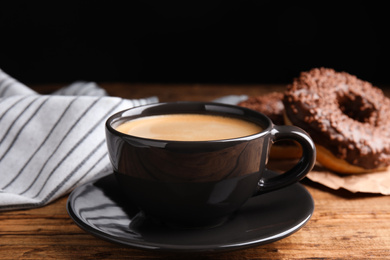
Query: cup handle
299	171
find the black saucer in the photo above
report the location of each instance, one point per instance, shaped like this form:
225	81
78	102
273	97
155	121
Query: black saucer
97	207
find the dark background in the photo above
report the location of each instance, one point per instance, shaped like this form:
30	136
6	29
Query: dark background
227	42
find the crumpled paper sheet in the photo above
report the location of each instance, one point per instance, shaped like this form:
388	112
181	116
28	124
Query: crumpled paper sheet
374	182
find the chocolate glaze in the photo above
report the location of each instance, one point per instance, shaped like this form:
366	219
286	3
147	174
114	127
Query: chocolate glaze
269	104
348	116
272	106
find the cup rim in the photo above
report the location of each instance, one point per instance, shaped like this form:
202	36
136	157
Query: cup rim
207	107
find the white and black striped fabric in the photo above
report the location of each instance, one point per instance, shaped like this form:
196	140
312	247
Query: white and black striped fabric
49	144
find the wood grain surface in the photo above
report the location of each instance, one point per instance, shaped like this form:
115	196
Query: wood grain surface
344	225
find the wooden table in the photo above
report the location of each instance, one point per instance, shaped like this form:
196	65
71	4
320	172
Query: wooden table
344	225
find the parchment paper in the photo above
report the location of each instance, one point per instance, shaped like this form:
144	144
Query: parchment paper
374	182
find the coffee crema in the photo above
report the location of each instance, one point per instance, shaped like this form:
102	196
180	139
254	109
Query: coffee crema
189	127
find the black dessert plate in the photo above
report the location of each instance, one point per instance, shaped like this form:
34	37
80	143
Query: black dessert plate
98	208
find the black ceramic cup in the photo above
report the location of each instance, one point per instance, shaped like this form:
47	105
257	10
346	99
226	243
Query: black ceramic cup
199	183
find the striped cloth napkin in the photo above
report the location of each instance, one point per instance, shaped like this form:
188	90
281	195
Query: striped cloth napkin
49	144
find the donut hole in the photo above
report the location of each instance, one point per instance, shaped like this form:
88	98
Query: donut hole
357	108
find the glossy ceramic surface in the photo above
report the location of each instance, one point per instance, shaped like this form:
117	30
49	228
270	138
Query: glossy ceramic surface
98	207
198	183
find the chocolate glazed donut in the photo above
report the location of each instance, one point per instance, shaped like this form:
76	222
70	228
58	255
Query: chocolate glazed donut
272	106
347	118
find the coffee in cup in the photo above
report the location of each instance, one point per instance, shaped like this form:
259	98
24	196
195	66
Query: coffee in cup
198	182
189	127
